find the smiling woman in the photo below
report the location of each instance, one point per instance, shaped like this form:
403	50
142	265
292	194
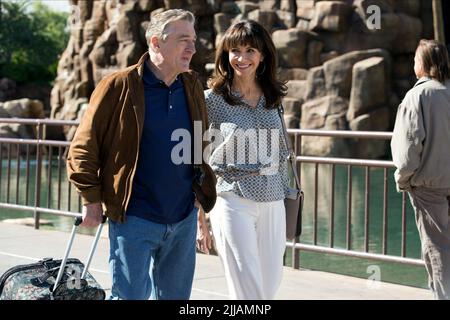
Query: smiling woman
248	219
245	54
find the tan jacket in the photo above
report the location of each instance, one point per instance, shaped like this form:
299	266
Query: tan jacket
421	140
103	155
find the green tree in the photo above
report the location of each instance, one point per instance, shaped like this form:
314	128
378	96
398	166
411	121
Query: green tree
32	37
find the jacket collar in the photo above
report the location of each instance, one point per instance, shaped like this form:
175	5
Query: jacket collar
137	92
422	80
140	64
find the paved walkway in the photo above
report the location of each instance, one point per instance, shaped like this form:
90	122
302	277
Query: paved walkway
22	245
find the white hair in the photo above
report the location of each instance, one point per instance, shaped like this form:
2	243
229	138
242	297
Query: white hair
158	23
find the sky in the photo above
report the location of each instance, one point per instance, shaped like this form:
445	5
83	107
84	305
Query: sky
59	5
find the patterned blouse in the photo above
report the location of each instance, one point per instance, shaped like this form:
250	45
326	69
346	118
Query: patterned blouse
249	153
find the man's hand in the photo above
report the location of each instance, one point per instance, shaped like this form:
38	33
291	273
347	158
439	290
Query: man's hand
203	235
92	215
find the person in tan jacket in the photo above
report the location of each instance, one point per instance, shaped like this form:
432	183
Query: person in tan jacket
421	153
122	163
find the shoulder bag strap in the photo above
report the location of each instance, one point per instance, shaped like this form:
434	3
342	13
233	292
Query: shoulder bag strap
289	146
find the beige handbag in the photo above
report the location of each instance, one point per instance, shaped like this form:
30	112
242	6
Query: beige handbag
295	197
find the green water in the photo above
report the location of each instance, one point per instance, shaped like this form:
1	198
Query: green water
65	191
389	272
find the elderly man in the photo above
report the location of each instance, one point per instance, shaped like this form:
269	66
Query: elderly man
120	162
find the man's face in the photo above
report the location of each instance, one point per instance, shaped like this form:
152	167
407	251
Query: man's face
179	47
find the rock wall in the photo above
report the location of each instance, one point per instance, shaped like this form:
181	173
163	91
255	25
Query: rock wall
10	90
341	74
20	108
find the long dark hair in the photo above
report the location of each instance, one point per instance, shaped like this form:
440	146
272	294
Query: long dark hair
248	32
434	58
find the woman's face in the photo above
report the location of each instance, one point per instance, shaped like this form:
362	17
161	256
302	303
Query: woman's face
245	60
418	67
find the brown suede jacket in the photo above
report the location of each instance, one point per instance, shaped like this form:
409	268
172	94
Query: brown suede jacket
103	155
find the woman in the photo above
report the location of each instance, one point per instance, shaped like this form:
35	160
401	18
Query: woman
421	152
249	160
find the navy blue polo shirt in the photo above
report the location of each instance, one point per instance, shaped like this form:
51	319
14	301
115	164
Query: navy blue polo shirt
162	190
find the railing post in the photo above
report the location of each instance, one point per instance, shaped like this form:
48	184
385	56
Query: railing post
37	189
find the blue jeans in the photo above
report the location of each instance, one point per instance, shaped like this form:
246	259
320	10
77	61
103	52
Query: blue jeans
152	260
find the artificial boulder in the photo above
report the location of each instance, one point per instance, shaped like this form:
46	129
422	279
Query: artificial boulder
368	87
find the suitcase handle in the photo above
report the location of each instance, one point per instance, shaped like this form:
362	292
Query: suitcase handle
77	222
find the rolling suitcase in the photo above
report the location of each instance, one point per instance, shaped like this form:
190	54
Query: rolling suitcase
48	279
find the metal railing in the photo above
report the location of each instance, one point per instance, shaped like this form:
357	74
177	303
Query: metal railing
296	245
45	159
43	155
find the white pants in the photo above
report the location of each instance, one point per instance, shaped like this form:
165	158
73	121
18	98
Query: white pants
250	238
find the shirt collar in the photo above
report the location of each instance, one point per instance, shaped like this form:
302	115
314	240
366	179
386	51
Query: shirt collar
151	78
